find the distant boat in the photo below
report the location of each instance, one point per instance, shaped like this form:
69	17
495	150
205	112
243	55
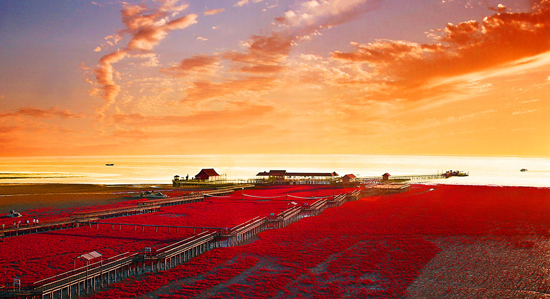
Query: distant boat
523	170
110	164
450	173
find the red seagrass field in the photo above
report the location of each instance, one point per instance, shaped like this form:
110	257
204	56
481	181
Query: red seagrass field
39	256
434	241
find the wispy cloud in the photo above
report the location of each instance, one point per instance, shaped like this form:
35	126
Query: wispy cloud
147	27
266	54
213	12
524	111
310	16
204	64
245	2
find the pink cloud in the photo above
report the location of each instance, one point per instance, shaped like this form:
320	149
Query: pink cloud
213	12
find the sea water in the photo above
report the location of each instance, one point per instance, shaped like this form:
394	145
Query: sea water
503	171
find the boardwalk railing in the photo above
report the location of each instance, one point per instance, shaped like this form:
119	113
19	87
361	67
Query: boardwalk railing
89	278
411	177
141	208
97	275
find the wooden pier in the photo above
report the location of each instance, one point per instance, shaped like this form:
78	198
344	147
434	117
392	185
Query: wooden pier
88	279
150	206
412	177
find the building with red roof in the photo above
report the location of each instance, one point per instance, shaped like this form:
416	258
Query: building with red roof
207	174
349	178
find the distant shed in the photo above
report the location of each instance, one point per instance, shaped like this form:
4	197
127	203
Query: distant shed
348	178
385	176
207	174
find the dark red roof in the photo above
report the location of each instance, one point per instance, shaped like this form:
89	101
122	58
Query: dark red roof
205	173
277	172
351	176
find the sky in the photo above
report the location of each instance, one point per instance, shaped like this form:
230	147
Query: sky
166	77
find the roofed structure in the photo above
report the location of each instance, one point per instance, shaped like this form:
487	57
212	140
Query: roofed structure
90	256
348	178
284	173
207	174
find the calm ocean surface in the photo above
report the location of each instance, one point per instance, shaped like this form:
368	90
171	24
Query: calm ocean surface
161	169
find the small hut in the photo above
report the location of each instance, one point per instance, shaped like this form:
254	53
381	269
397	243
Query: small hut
385	177
349	178
207	174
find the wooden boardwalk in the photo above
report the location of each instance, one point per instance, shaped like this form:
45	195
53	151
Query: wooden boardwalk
412	177
150	206
86	280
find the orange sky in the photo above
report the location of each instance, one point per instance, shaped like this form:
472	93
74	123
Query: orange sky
313	77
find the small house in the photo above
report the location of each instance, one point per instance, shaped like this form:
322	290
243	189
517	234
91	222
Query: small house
385	177
207	174
348	178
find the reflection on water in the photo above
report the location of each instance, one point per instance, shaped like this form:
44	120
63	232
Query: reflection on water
161	169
